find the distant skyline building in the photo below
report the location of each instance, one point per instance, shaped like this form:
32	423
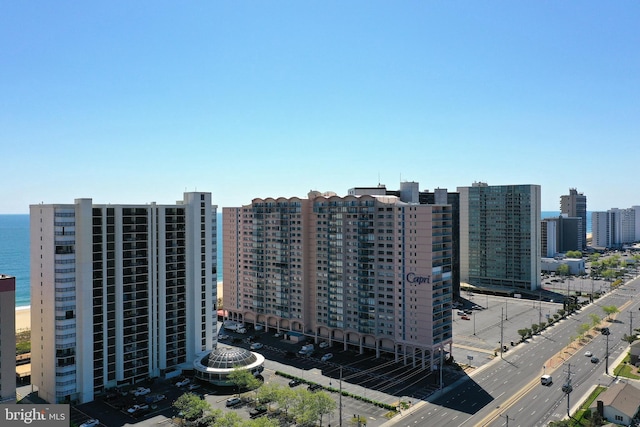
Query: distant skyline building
561	234
119	293
367	271
615	227
7	339
500	235
574	205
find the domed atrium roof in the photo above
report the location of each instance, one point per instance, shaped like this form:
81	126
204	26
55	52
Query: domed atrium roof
230	357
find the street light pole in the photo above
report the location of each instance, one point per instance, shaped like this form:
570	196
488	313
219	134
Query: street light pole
501	334
606	357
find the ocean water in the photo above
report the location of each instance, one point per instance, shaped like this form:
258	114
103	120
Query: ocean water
14	253
14	250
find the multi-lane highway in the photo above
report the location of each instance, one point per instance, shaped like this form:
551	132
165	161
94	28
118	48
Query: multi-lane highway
510	387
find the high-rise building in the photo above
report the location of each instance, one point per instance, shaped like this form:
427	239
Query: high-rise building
119	293
561	234
614	228
574	204
367	272
7	339
410	193
500	239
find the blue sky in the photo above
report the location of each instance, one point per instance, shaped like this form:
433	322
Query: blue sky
134	102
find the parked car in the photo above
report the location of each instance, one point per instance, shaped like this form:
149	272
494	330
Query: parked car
136	408
183	382
193	387
314	387
326	357
256	346
141	391
90	423
242	331
233	401
294	383
465	317
278	334
257	411
223	337
154	398
259	328
324	344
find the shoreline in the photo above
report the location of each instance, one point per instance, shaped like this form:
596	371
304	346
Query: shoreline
23	318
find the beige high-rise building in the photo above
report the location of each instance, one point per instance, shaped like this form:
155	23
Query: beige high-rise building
366	272
7	339
119	293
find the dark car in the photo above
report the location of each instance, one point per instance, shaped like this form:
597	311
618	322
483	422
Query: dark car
314	387
294	383
258	411
594	359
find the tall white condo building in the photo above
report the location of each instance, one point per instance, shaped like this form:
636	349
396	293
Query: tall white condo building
119	293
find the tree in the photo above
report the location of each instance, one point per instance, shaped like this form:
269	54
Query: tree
263	422
191	406
229	419
286	398
594	257
269	392
609	310
535	328
583	329
523	333
243	379
629	338
595	319
573	254
563	270
324	404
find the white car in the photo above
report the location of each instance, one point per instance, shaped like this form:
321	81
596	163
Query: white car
326	357
183	383
324	344
223	337
141	391
90	423
278	334
256	346
136	408
588	354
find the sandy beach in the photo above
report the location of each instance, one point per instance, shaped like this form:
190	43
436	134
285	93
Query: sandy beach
23	318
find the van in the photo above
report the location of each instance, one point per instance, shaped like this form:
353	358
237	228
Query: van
546	380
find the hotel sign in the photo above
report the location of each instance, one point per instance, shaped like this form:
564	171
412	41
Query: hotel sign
420	280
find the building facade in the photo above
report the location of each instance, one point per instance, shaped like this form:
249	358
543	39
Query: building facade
561	234
119	293
615	227
367	272
7	339
500	238
410	193
574	205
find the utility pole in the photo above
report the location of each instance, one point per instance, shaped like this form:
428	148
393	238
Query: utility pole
340	398
567	388
501	333
630	324
606	356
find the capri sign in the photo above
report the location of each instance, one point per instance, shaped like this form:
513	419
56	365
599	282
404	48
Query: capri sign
413	278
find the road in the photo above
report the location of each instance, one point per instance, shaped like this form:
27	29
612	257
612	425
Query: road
510	387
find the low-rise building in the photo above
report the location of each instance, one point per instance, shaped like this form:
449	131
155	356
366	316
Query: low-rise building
620	404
